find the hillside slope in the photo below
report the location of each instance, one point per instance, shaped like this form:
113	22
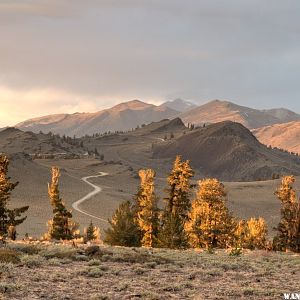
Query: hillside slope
13	140
230	152
285	136
123	116
218	111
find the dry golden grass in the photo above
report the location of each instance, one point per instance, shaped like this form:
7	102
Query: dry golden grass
93	272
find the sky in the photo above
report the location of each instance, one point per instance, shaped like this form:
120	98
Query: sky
64	56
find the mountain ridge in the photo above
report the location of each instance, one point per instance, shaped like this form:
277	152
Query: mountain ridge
121	117
230	152
217	111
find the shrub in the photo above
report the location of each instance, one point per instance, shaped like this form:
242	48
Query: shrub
8	287
25	248
9	256
32	261
59	252
92	272
236	251
92	250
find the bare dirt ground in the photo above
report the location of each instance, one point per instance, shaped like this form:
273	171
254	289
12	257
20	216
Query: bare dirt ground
63	272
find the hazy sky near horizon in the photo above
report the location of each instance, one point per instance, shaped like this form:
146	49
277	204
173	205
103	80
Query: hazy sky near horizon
73	55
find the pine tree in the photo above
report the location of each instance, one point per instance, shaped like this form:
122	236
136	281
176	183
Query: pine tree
61	227
147	211
288	229
123	229
251	234
178	204
8	217
210	224
91	233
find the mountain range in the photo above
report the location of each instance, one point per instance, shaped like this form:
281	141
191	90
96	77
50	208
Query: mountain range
218	111
278	127
121	117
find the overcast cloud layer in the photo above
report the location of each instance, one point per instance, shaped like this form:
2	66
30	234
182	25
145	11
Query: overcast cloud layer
66	56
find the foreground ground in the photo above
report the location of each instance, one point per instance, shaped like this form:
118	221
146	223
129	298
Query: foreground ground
39	271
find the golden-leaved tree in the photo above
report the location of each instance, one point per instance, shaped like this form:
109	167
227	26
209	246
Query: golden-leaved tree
178	204
147	211
9	218
288	229
61	227
251	234
210	224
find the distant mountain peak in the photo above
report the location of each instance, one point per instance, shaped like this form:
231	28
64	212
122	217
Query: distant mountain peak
179	105
133	104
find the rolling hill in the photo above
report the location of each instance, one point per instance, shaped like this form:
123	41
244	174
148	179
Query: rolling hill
121	117
13	141
218	111
230	152
285	136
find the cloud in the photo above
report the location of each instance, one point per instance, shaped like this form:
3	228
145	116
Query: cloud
108	50
21	105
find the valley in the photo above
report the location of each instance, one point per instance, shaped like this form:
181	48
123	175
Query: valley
124	154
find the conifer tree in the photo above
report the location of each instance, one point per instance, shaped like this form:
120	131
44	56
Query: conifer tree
288	229
210	224
251	234
123	229
61	227
147	211
91	233
9	218
178	204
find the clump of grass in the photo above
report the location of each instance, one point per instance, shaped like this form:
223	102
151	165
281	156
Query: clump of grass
98	297
32	261
249	291
97	252
26	248
94	271
9	256
171	288
8	287
61	252
5	268
54	261
151	296
236	252
139	271
151	265
94	262
137	257
81	257
122	287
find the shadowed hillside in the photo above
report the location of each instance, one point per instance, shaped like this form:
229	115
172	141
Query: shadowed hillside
229	151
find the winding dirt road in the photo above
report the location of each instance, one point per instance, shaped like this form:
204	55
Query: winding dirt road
97	190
